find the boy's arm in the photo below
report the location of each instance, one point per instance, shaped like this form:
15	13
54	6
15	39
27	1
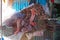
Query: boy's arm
32	16
18	26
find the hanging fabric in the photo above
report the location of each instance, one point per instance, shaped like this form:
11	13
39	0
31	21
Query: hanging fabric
20	4
41	2
32	1
52	1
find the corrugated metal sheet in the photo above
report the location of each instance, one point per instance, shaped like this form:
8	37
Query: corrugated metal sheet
57	1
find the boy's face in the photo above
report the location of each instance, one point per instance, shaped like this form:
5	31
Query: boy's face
28	0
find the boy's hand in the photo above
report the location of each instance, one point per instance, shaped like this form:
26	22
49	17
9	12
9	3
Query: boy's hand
33	23
18	26
16	32
33	11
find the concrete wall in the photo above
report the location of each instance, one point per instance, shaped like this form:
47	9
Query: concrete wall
0	18
0	12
